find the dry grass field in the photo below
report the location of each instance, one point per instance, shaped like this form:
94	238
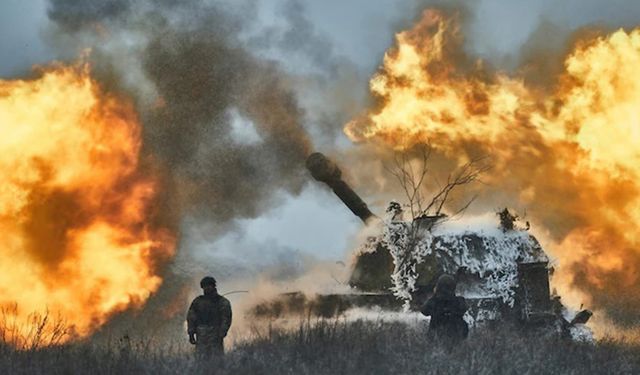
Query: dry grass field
335	347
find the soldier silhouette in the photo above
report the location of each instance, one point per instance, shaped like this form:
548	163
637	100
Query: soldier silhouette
208	320
446	311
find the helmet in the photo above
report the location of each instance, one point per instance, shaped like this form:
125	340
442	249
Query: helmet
446	285
207	281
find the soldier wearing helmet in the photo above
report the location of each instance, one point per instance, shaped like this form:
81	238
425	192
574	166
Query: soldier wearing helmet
446	311
208	320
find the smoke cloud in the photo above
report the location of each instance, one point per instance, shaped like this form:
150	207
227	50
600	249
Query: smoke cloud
203	83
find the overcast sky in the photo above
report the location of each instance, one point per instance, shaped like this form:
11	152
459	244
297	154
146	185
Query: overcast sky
360	31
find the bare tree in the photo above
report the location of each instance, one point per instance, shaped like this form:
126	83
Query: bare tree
407	243
412	179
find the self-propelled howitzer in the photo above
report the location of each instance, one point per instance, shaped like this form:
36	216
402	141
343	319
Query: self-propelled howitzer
503	273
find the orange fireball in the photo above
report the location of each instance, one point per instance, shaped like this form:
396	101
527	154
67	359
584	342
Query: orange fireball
76	208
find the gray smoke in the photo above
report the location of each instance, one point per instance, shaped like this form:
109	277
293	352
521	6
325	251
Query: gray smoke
299	40
74	15
204	84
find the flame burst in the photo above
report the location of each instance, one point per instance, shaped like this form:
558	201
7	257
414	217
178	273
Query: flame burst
75	206
569	154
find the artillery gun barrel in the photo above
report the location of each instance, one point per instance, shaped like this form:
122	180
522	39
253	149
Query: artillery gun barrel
324	170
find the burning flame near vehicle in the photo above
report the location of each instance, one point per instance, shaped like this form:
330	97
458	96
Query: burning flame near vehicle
570	154
79	238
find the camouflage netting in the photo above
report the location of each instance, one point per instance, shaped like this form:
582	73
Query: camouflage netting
486	255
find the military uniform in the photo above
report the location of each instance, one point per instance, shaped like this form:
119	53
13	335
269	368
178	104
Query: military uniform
209	319
446	311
